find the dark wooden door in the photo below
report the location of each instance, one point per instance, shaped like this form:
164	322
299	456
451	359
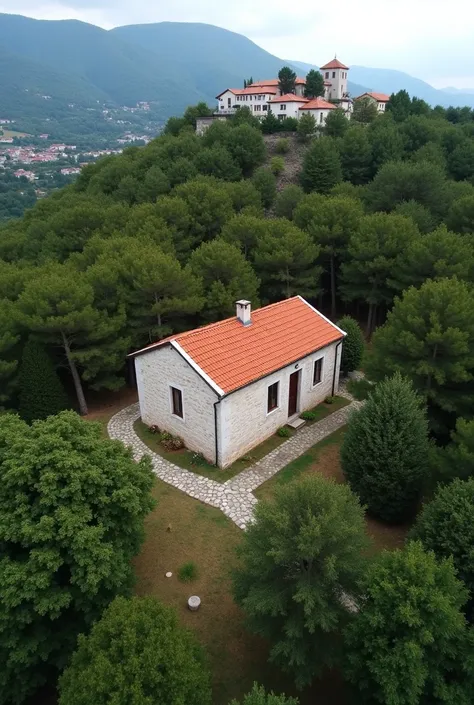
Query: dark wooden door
293	393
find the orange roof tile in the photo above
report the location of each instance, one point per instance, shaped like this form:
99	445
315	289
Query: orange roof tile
334	64
233	355
379	97
289	98
249	91
274	82
318	104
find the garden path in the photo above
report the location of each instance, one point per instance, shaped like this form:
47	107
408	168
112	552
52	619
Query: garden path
235	497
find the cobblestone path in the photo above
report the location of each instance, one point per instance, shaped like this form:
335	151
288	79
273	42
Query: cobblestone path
234	497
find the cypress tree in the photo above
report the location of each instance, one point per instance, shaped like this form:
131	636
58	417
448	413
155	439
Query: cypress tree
385	450
353	345
41	391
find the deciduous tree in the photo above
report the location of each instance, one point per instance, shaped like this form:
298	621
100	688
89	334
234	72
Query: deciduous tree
384	452
72	511
364	111
136	653
410	643
259	696
299	559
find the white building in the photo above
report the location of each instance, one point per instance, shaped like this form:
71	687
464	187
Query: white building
226	387
262	96
287	105
319	109
380	99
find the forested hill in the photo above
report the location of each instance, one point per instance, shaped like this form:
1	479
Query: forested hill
169	64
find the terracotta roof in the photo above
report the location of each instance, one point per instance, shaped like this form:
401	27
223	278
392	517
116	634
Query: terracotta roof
334	64
274	82
379	97
249	91
233	355
318	104
289	98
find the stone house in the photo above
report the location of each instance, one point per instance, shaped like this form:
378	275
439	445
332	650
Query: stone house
226	387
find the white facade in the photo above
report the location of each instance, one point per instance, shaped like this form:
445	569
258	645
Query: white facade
286	108
319	115
227	424
256	101
337	77
379	99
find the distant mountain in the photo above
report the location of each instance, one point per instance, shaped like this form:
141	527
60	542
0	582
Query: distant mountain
389	81
456	91
169	64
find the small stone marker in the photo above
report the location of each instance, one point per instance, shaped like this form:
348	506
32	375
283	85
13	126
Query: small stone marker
194	603
168	574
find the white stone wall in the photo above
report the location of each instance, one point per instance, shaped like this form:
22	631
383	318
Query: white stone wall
161	369
291	108
320	116
243	418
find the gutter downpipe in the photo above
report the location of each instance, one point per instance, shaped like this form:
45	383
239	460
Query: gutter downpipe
215	431
335	368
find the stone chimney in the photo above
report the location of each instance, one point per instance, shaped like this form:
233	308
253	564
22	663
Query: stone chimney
244	312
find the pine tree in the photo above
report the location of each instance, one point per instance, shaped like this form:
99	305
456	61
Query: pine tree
321	166
336	124
41	392
314	86
356	155
353	345
265	183
384	452
286	80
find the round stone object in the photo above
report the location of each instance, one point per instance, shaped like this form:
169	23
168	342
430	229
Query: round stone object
194	603
168	574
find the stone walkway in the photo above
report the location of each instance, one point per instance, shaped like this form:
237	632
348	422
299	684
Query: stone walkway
235	497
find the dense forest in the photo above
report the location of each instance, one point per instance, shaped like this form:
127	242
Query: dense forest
375	222
168	236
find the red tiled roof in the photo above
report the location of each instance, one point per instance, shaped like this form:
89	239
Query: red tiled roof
318	104
274	82
249	91
334	64
289	98
379	97
234	355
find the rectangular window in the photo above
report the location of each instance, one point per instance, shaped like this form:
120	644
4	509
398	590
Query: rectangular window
334	74
257	107
317	371
177	402
320	117
282	107
264	107
272	401
327	74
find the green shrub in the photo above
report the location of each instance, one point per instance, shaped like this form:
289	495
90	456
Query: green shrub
259	696
136	653
172	443
282	146
330	400
308	415
41	392
284	432
353	345
277	165
188	572
359	388
385	451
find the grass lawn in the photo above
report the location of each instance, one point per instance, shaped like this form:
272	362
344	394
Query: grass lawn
12	133
191	461
323	459
206	537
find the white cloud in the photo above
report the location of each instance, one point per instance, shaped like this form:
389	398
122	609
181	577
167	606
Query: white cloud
425	38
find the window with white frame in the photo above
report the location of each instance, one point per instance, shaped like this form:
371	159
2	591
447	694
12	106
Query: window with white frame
317	371
264	107
272	398
283	107
177	402
257	108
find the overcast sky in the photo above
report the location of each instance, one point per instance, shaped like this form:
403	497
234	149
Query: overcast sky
430	39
